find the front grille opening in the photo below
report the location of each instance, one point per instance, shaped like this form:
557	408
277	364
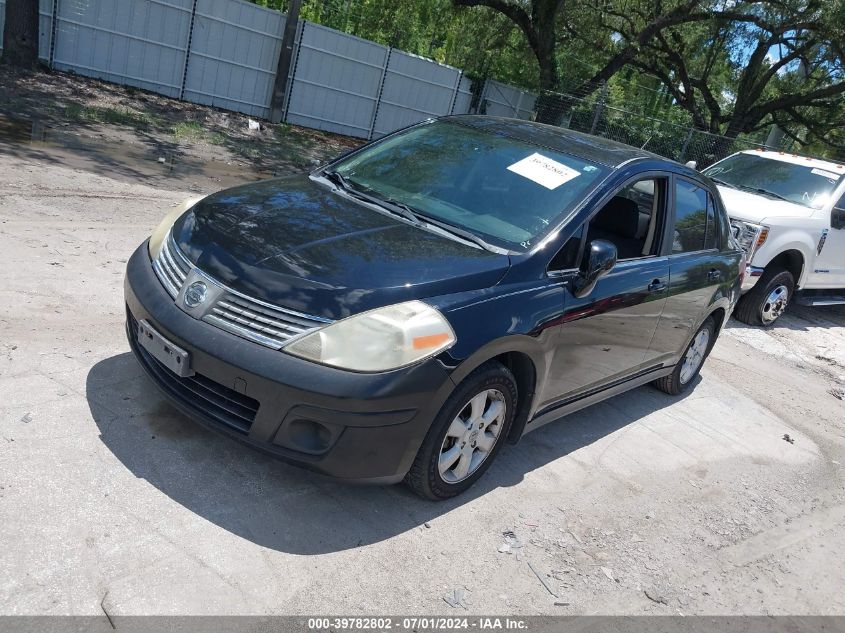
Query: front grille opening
199	393
254	320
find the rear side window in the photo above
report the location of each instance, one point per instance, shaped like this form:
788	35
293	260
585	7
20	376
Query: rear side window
695	219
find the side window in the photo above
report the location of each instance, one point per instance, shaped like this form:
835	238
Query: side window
691	205
632	219
711	234
567	257
837	214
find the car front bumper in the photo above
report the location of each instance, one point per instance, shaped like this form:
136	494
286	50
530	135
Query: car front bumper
752	276
353	426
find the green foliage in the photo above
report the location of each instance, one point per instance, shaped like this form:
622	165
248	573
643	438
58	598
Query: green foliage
707	63
194	131
118	116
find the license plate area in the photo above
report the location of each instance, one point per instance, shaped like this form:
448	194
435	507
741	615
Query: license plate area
171	356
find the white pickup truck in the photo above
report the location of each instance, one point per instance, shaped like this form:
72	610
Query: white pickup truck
788	213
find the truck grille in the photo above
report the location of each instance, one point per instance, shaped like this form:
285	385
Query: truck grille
232	311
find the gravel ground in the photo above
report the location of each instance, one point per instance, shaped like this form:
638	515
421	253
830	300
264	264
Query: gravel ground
645	504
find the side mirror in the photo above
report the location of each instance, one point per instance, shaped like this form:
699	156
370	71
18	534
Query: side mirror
599	260
837	218
692	164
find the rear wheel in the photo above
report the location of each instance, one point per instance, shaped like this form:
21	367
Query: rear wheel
466	435
767	300
691	362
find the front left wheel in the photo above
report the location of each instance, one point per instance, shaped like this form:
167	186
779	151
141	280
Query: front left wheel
466	435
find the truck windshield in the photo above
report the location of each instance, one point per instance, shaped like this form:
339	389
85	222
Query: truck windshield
802	184
507	191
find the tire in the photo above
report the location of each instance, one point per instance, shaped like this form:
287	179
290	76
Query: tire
680	379
445	438
757	307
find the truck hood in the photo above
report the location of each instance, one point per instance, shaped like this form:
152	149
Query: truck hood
752	207
297	244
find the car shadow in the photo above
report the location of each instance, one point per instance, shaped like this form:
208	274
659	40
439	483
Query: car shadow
285	508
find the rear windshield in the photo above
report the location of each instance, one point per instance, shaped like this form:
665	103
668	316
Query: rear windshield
507	191
801	184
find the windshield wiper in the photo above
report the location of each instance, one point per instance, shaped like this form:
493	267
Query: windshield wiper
461	233
760	190
765	192
409	213
388	204
338	179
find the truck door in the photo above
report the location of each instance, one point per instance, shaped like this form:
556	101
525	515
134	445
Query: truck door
829	268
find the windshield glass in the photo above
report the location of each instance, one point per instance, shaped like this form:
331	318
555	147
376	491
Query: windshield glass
506	191
808	186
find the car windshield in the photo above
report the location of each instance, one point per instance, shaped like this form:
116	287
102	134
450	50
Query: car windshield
801	184
506	191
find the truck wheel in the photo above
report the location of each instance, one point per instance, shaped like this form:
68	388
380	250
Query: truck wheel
466	435
766	301
691	362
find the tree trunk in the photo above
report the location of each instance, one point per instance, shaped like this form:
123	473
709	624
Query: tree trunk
550	107
20	33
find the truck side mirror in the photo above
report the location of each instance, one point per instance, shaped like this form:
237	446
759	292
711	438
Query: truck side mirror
599	260
837	218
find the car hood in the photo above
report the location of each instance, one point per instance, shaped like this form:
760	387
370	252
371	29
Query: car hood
295	243
752	207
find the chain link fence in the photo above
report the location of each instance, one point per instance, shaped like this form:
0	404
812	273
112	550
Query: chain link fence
678	141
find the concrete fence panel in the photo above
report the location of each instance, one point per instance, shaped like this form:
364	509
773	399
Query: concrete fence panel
500	99
336	81
233	56
414	89
135	42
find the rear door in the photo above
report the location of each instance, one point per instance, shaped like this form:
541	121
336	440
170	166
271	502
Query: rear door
697	265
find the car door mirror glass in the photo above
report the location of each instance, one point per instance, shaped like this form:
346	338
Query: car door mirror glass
599	259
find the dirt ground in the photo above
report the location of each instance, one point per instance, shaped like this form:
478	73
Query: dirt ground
78	111
729	500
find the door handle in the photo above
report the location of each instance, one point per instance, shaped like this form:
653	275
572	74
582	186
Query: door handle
714	274
657	286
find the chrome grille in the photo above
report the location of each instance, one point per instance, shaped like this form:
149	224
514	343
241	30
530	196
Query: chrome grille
171	266
233	311
259	321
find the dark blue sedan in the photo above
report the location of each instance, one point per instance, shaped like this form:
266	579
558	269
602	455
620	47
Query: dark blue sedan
406	310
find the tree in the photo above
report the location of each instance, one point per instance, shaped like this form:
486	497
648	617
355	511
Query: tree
760	63
20	33
546	25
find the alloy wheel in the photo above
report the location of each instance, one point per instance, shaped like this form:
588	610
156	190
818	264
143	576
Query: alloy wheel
695	355
472	435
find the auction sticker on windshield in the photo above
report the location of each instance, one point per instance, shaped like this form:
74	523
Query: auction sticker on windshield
826	174
544	171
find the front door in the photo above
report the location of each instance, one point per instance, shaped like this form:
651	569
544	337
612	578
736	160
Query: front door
606	335
829	268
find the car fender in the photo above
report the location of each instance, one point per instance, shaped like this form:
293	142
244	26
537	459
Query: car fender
531	347
803	239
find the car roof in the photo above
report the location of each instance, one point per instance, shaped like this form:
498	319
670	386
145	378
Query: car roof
592	148
795	159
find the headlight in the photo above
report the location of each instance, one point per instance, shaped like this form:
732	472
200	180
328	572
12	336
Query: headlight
157	238
378	340
750	236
